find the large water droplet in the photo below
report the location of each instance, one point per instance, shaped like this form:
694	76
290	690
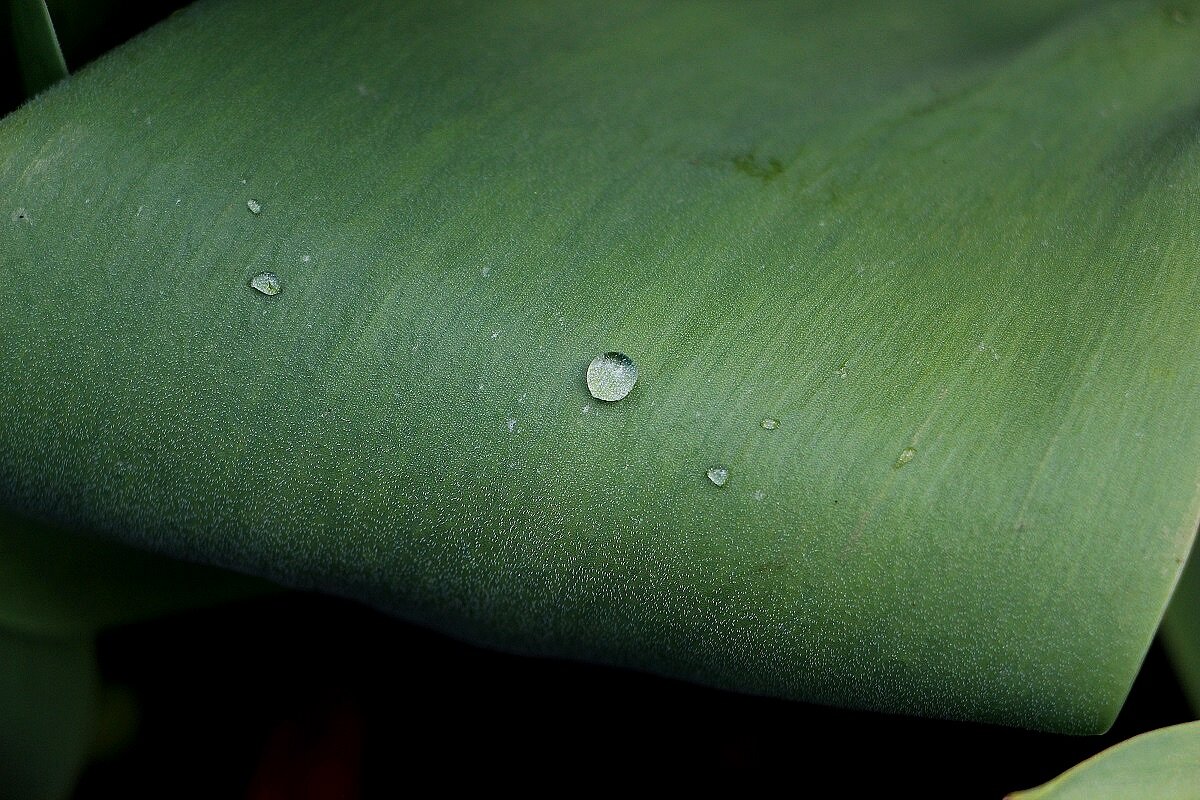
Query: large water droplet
906	455
769	423
267	283
611	376
254	206
718	475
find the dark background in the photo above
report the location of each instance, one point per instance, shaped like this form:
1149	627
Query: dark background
302	696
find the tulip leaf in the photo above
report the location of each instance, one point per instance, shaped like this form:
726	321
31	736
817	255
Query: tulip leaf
948	253
1163	764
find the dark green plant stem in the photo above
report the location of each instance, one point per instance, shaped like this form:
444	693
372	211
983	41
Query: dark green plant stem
39	58
1181	631
47	706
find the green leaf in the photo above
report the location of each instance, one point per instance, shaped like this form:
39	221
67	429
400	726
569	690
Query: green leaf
47	704
38	55
951	249
57	584
57	589
1162	764
1181	630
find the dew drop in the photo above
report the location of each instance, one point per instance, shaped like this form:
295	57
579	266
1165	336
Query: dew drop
267	283
611	376
718	475
769	423
254	206
759	495
906	455
511	425
21	215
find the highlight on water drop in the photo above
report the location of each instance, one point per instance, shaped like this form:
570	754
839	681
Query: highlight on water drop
611	376
267	283
254	206
719	476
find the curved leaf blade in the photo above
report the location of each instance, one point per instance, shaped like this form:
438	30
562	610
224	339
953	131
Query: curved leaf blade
951	251
1163	764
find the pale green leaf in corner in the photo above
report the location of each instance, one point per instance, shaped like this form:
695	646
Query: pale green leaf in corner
1159	765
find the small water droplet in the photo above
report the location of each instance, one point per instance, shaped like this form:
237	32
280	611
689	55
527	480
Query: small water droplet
844	369
254	206
611	376
769	423
306	259
495	334
267	283
718	475
906	455
21	215
587	407
759	494
485	271
512	425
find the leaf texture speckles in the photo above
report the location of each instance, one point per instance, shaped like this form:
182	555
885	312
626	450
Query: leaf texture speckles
919	179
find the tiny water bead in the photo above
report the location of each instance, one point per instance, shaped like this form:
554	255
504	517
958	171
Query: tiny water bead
254	206
718	475
769	423
266	283
906	455
611	376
